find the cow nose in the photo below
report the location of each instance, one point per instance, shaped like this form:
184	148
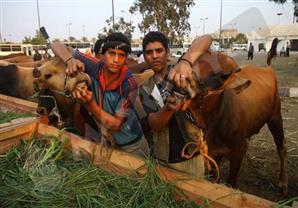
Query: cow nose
41	110
36	72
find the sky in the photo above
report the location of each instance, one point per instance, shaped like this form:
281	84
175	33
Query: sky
19	18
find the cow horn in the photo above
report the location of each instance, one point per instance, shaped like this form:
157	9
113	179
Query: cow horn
192	92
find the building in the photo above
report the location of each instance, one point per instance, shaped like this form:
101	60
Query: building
226	35
262	37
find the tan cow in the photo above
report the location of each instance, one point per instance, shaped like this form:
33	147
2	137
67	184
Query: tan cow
231	107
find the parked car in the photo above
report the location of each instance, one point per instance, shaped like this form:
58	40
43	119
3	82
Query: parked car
239	46
261	46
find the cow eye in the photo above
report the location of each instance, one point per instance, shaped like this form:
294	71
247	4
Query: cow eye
48	76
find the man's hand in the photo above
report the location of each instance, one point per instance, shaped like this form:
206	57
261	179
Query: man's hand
82	94
173	103
181	73
74	66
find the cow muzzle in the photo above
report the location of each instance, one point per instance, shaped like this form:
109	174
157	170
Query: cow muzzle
80	80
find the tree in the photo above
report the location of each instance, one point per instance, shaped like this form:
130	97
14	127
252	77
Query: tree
37	40
101	36
295	2
85	39
120	26
72	39
296	11
241	38
56	40
93	40
167	16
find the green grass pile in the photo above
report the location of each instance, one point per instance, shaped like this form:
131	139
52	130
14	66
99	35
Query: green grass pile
42	174
8	116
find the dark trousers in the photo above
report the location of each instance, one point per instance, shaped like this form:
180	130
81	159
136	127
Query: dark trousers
288	52
250	55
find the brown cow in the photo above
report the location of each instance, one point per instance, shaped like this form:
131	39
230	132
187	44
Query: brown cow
16	81
19	59
231	107
12	55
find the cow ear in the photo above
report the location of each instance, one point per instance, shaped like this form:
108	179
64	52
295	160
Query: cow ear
238	84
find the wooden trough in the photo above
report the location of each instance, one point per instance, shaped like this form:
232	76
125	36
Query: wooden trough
123	163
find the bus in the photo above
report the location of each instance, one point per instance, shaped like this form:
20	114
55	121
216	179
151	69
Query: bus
238	46
81	46
11	48
176	50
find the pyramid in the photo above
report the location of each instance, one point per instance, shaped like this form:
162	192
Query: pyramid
247	21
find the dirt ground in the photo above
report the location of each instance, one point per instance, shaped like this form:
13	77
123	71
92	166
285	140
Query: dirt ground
260	168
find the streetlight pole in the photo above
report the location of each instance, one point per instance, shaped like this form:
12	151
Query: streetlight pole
196	29
69	24
220	23
204	19
37	5
279	14
113	15
83	30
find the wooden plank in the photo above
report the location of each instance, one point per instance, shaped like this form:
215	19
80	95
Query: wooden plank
197	190
218	195
116	161
12	134
20	104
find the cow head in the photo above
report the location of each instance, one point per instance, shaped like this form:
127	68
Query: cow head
51	75
47	106
215	72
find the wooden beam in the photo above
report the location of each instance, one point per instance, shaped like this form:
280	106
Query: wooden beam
12	134
210	194
200	191
17	103
116	161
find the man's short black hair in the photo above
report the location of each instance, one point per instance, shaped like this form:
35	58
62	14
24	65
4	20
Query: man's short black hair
117	40
155	36
98	45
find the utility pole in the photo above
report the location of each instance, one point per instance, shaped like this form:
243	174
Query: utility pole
69	24
279	14
83	30
113	15
204	19
220	23
39	34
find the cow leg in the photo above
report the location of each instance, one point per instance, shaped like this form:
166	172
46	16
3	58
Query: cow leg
235	163
276	128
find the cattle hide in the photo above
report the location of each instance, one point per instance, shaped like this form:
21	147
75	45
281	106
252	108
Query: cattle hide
16	81
230	111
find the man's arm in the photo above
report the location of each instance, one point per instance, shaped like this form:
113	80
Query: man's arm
85	97
65	54
182	71
160	119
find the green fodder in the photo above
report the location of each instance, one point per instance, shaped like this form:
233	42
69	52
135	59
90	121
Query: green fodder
8	116
43	174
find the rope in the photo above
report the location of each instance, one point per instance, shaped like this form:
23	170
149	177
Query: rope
202	148
105	151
